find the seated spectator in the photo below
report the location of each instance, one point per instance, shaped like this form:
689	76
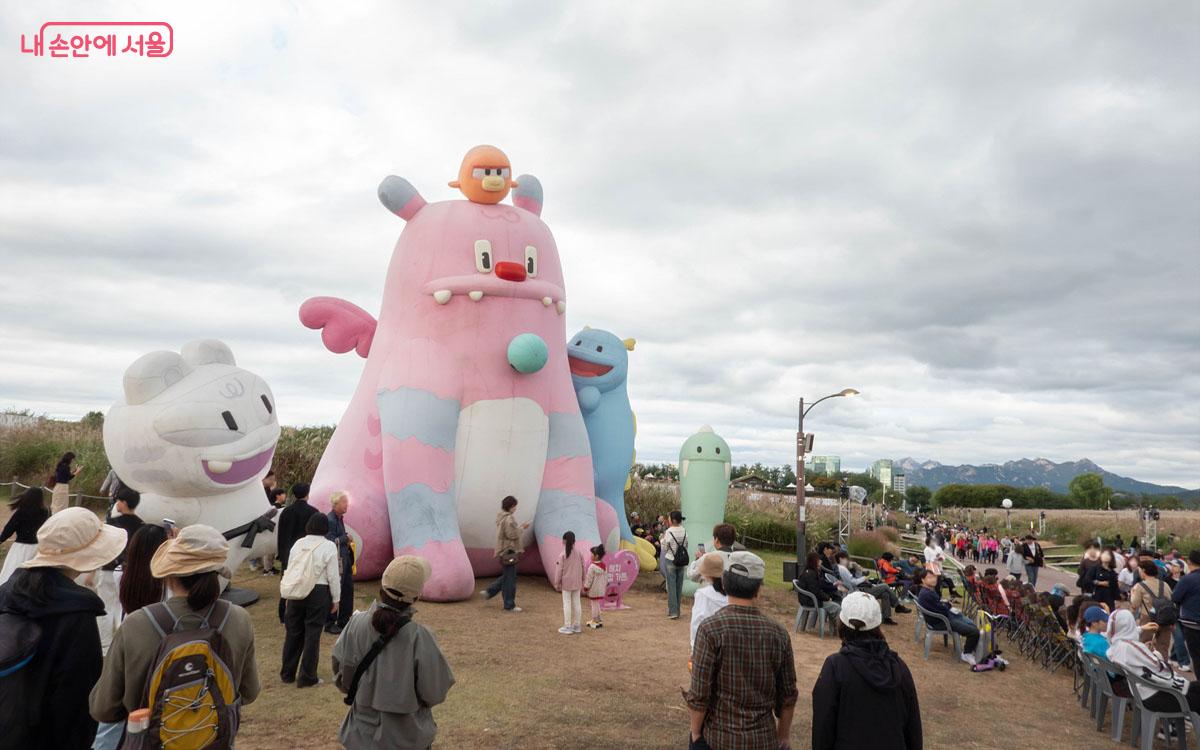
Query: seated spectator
890	574
907	567
864	679
888	601
929	600
1126	650
814	582
1095	619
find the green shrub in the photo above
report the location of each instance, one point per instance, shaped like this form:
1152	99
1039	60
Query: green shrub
891	533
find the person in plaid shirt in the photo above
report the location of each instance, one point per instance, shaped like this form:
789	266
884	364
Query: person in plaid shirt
743	670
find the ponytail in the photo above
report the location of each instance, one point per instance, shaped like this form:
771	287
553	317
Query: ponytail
203	589
568	543
390	615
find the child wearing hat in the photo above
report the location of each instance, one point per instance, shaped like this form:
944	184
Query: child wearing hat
1094	640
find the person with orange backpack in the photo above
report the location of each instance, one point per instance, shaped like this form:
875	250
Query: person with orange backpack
193	652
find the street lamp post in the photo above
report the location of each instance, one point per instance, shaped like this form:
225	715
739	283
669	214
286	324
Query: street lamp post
1007	505
801	521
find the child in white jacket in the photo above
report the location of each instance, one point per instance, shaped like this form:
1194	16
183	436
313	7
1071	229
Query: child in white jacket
595	583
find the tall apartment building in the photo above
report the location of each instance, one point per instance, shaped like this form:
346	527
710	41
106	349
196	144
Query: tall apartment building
830	466
898	483
882	470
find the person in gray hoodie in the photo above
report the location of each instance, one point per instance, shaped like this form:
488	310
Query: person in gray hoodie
865	696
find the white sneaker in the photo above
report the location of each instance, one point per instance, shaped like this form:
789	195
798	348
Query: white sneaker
1185	668
514	609
576	629
969	659
565	630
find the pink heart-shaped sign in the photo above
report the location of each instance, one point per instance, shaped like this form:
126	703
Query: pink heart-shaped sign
622	568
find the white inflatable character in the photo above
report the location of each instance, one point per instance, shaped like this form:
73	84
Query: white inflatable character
196	435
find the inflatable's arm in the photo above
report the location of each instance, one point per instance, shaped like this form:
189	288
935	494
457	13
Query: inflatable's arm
589	398
343	325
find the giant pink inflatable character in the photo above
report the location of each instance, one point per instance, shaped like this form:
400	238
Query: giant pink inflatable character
466	395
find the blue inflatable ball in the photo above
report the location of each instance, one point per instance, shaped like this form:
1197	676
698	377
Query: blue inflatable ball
528	353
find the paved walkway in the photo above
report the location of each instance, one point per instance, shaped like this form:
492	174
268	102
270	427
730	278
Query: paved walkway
1048	577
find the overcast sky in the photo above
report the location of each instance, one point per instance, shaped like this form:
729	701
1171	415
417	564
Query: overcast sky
984	216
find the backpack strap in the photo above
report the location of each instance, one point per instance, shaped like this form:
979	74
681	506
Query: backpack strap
221	609
371	655
161	618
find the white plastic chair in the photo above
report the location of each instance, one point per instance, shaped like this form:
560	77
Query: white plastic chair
1149	718
810	611
931	632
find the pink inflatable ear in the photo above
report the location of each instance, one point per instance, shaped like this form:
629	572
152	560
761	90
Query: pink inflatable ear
528	194
400	197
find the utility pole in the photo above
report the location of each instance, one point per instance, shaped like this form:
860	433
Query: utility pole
801	520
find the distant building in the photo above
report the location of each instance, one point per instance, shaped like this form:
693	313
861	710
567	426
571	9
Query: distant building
830	466
882	470
17	419
898	483
750	482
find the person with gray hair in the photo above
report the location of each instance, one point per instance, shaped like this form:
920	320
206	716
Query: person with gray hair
753	712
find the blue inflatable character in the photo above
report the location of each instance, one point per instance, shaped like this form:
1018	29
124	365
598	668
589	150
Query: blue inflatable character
599	366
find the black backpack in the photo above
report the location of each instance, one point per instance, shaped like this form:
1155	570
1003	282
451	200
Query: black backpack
1164	612
681	558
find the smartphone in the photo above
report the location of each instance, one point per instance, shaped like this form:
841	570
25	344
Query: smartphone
700	548
168	523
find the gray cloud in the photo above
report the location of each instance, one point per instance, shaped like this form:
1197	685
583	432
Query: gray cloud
985	219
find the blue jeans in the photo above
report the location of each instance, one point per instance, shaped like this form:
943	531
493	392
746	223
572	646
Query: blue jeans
1179	650
674	586
506	584
108	735
1031	572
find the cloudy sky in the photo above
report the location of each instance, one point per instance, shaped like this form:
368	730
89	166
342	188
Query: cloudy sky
984	216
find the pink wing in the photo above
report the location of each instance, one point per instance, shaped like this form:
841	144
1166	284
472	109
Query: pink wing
343	325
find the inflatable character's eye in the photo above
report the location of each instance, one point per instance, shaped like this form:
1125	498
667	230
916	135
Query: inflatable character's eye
599	348
699	449
579	342
267	403
230	422
530	260
718	451
483	256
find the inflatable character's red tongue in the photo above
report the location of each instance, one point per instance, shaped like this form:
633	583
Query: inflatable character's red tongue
585	369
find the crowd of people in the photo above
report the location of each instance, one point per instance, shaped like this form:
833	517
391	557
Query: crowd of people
132	611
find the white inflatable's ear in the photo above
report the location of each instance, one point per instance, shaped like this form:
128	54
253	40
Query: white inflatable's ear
207	352
152	374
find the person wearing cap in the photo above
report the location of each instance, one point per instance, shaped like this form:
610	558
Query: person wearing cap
709	598
674	542
1094	640
407	677
191	564
44	688
865	696
754	710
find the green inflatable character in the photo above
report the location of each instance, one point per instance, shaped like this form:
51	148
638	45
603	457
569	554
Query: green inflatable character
704	465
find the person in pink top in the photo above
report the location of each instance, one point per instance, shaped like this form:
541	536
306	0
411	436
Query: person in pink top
568	578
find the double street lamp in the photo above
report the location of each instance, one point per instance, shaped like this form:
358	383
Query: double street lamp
802	447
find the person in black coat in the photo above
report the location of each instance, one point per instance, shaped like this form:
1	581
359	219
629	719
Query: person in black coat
1101	580
865	696
290	528
44	695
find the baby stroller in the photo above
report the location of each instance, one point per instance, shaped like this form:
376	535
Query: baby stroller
987	629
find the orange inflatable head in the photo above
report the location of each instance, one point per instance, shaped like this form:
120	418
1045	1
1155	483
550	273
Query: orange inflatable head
485	175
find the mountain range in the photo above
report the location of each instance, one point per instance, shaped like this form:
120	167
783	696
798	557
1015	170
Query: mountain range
1035	472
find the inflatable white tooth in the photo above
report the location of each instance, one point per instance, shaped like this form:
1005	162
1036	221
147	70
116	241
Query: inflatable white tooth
196	435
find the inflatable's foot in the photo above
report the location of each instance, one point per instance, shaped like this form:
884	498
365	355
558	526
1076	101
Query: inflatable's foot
451	578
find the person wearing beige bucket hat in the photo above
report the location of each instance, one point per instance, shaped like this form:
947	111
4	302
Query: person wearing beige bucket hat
710	597
191	564
49	640
375	663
